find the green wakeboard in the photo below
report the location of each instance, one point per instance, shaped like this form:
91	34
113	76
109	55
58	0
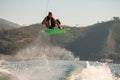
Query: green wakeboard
55	31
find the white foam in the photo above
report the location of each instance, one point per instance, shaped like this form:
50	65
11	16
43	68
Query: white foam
95	72
5	71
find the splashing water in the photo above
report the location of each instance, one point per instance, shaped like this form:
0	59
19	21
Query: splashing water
49	52
40	49
34	70
95	72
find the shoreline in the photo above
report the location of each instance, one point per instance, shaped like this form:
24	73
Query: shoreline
19	58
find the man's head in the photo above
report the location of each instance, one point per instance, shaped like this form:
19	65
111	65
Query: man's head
50	14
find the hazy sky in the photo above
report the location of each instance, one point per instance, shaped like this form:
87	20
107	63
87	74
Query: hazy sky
70	12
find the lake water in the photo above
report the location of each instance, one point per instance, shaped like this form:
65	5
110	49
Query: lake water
58	70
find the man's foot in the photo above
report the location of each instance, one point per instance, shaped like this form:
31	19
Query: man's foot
60	27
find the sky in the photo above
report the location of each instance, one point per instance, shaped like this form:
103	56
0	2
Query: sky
70	12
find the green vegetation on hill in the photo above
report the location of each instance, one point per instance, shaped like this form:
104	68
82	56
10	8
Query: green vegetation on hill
12	41
90	45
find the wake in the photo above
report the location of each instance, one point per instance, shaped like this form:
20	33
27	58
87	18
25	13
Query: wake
93	72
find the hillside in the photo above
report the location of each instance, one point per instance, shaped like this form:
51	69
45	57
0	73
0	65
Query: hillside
90	46
7	25
95	42
13	40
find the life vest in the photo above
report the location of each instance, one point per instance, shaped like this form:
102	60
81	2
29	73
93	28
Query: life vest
52	21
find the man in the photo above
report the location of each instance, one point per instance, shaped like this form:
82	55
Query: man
50	22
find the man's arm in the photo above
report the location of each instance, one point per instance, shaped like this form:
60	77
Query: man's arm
57	24
44	20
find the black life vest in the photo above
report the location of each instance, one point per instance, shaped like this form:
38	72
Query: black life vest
52	21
